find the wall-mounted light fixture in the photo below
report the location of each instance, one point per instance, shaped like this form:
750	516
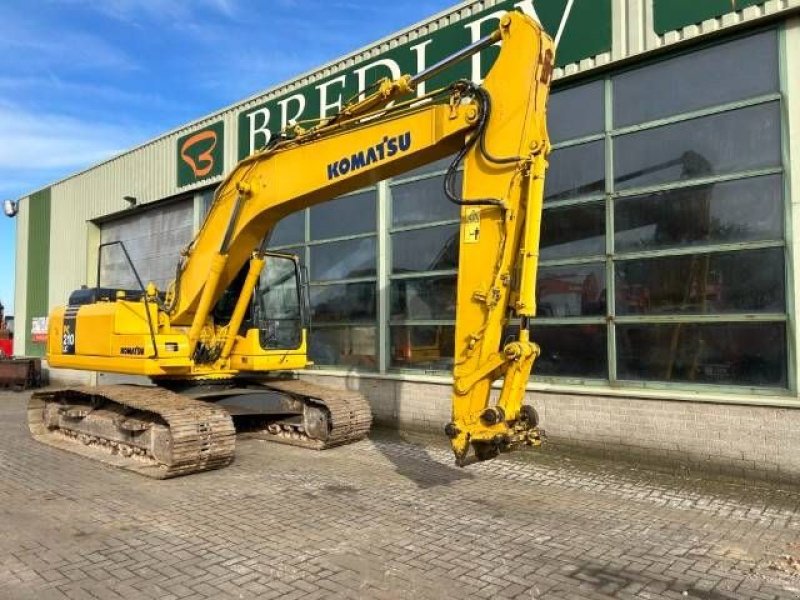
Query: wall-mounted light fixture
131	200
10	208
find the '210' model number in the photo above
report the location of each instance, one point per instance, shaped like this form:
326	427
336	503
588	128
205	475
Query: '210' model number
68	342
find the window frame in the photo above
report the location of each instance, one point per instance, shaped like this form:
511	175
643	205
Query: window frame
610	257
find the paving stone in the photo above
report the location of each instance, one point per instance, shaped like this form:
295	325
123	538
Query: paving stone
387	518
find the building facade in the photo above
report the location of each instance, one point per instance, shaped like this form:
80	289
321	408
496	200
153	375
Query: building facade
667	316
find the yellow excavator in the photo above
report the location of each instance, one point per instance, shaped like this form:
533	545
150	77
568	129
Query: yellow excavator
218	343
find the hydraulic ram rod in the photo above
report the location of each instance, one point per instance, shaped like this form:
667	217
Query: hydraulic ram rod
455	58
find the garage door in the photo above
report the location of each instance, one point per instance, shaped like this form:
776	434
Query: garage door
153	239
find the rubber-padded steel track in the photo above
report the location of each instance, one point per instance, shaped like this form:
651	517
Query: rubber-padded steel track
348	412
201	436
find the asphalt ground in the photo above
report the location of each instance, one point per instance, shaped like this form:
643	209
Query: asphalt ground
389	517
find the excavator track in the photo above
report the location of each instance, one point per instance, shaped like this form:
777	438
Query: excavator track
348	413
148	430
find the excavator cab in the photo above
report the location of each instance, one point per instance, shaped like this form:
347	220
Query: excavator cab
278	310
280	302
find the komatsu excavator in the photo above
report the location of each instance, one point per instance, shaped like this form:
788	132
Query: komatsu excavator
216	343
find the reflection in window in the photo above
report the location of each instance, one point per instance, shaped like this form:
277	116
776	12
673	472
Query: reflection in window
576	171
343	260
422	347
729	353
575	112
343	302
707	78
424	298
569	350
348	215
738	140
735	211
571	291
745	282
573	231
422	201
432	249
345	346
289	230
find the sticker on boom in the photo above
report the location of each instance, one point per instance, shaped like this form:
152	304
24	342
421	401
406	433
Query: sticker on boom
387	148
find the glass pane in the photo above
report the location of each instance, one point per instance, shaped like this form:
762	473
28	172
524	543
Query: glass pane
347	302
207	199
426	298
576	171
746	282
423	201
422	347
571	291
276	304
738	140
573	231
343	260
431	249
348	215
351	346
741	69
289	230
569	350
434	167
730	353
575	112
734	211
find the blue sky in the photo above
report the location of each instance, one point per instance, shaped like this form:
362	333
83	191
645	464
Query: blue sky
81	80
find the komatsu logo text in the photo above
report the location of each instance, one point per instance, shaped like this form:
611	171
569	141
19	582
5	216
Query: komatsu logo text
387	148
131	351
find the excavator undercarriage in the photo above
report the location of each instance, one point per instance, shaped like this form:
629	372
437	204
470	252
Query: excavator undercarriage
161	433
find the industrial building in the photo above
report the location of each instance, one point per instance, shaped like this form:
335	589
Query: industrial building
667	314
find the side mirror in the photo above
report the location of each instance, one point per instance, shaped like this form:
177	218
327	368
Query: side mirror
10	208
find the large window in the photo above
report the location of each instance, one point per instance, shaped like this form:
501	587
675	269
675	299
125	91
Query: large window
662	251
423	228
337	243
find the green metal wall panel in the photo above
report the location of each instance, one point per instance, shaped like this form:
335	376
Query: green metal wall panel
38	266
670	15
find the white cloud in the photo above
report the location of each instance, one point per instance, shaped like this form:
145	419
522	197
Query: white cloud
46	142
43	50
173	12
63	90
